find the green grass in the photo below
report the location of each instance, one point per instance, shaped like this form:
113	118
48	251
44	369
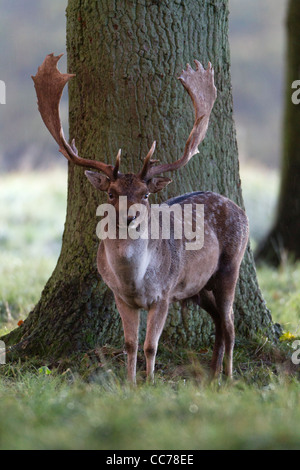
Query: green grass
260	410
281	292
47	412
260	188
32	214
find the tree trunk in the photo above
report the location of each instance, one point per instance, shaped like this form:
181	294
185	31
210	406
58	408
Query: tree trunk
285	235
126	56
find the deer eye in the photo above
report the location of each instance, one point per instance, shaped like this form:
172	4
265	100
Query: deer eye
146	196
110	195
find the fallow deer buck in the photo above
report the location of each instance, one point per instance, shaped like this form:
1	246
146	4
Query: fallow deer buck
152	273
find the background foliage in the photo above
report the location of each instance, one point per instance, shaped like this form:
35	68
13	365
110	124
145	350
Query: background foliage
29	30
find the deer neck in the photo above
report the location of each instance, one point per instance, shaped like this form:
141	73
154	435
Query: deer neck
128	259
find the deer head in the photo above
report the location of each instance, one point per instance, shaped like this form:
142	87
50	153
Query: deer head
136	187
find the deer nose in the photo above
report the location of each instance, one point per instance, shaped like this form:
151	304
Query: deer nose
130	218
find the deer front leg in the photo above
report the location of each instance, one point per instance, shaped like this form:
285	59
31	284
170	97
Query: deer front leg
130	320
155	323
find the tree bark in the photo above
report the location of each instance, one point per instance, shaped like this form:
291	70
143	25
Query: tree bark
284	237
126	56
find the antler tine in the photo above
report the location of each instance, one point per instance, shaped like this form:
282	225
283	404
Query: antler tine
200	86
49	83
117	165
147	161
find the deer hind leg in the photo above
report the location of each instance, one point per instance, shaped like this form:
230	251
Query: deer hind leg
130	320
208	303
155	323
224	295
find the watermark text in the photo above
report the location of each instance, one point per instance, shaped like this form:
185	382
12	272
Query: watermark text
160	221
296	94
296	354
2	353
2	92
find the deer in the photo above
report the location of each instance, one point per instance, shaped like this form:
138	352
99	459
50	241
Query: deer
151	274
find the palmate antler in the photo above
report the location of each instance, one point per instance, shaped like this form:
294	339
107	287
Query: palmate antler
200	85
49	84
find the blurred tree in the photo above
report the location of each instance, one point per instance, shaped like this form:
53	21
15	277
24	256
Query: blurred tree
256	77
284	238
126	56
21	23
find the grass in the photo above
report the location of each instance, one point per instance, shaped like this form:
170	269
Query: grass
47	412
32	214
43	409
281	292
260	191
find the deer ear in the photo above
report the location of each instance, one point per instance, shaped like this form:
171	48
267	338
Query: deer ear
98	180
157	184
